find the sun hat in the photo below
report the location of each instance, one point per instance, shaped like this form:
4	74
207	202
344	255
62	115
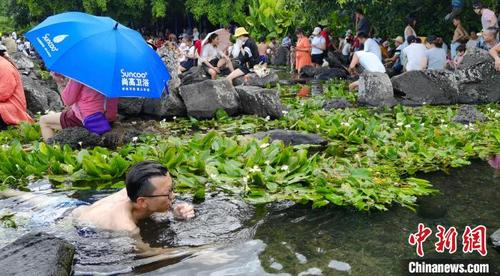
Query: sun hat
399	39
240	31
316	31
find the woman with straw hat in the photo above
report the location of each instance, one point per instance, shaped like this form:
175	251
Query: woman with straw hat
249	54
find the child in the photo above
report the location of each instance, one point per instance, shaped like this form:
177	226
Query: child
459	57
262	47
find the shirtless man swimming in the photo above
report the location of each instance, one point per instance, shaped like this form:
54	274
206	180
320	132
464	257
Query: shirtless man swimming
149	189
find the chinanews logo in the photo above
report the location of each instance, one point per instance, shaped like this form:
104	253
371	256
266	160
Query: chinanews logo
51	43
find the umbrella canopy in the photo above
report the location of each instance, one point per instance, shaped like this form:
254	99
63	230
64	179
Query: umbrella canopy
100	53
224	39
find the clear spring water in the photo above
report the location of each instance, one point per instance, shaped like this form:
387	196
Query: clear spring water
280	240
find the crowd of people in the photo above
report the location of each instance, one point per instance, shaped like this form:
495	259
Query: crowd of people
231	53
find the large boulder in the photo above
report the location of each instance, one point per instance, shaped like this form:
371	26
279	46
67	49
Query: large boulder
130	106
37	254
203	99
331	73
282	56
292	137
474	82
23	62
261	102
253	80
421	87
375	89
168	106
170	59
308	71
334	60
477	80
40	98
193	75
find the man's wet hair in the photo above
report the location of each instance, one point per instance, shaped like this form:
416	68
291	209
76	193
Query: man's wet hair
138	178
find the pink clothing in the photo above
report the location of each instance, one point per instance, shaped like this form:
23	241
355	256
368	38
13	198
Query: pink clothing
488	19
85	101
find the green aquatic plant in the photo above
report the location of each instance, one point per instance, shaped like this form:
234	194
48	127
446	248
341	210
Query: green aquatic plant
370	160
8	220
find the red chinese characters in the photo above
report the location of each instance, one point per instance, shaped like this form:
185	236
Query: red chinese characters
419	238
475	240
446	239
472	239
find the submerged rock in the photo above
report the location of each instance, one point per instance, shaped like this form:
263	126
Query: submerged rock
337	103
495	238
468	114
79	137
261	102
375	89
219	219
204	98
37	254
292	137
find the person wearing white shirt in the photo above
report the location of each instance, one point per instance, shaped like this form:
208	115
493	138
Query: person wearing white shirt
212	59
318	45
370	63
370	45
414	56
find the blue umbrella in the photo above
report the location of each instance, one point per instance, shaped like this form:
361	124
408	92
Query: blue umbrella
100	53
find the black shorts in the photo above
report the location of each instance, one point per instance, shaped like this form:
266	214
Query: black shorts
317	59
213	62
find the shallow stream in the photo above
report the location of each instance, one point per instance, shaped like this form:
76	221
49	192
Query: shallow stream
278	239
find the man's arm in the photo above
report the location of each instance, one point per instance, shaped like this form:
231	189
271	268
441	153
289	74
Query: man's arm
354	62
494	54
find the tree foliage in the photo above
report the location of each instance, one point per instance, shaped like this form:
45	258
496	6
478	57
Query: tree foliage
218	12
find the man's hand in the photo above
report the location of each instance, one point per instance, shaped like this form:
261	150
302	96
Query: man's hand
497	64
183	211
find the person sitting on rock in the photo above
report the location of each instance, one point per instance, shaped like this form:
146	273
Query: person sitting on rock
263	50
149	189
213	60
189	55
12	98
489	39
413	56
370	45
248	55
370	63
436	56
81	102
494	52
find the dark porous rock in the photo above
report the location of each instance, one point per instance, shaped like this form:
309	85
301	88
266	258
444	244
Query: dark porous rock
219	219
474	82
331	73
468	114
203	99
334	60
261	102
292	137
337	103
119	136
76	138
193	75
308	71
282	55
22	62
37	254
130	106
495	238
425	87
375	89
40	98
253	80
168	106
477	81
